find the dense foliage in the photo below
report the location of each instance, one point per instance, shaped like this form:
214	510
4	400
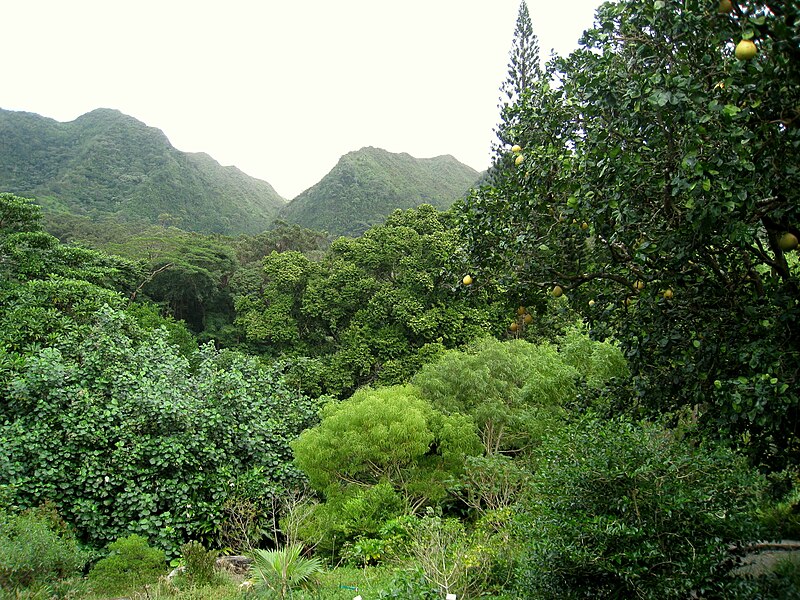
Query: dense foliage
126	437
581	382
390	451
109	420
187	275
372	310
620	510
386	435
655	184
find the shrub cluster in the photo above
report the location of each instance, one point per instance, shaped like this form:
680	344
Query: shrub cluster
624	510
37	548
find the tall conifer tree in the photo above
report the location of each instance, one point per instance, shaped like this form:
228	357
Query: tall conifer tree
524	69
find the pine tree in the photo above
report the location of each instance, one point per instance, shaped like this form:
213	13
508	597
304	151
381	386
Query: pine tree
524	69
523	65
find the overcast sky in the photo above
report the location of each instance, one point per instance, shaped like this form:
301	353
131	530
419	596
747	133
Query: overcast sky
280	89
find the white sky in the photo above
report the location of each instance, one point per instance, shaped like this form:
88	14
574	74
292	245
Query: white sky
281	89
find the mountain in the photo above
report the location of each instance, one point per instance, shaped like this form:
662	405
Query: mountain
107	164
369	184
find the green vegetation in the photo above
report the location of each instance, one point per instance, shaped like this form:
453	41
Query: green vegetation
580	381
109	420
107	165
199	564
680	160
367	185
129	562
283	571
37	549
372	310
624	510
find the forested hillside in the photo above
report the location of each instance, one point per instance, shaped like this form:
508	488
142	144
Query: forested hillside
367	185
579	381
106	164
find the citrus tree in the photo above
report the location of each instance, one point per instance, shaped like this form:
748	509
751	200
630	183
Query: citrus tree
656	185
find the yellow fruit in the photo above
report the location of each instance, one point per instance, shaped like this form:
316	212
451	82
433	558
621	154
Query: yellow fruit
584	225
788	241
528	319
725	6
516	149
745	50
557	291
519	159
521	310
628	301
639	285
513	327
668	294
467	280
591	302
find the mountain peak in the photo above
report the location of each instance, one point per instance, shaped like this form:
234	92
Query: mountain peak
368	184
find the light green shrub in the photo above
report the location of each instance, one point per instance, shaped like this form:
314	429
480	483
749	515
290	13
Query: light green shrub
130	563
386	434
199	563
508	388
36	548
597	362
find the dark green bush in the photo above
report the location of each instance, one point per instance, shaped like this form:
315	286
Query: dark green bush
129	437
130	563
36	548
623	510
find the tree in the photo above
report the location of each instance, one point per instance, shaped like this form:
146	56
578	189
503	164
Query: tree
515	391
657	179
116	428
371	310
380	454
387	434
271	315
29	253
48	289
188	275
524	70
18	214
510	389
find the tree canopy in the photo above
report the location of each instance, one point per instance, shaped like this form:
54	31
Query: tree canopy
659	174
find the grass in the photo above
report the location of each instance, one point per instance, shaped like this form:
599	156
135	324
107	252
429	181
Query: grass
341	583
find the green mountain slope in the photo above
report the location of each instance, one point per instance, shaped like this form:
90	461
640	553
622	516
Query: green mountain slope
369	184
105	163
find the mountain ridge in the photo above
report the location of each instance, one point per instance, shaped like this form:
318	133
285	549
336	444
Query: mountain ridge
108	165
367	185
105	163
